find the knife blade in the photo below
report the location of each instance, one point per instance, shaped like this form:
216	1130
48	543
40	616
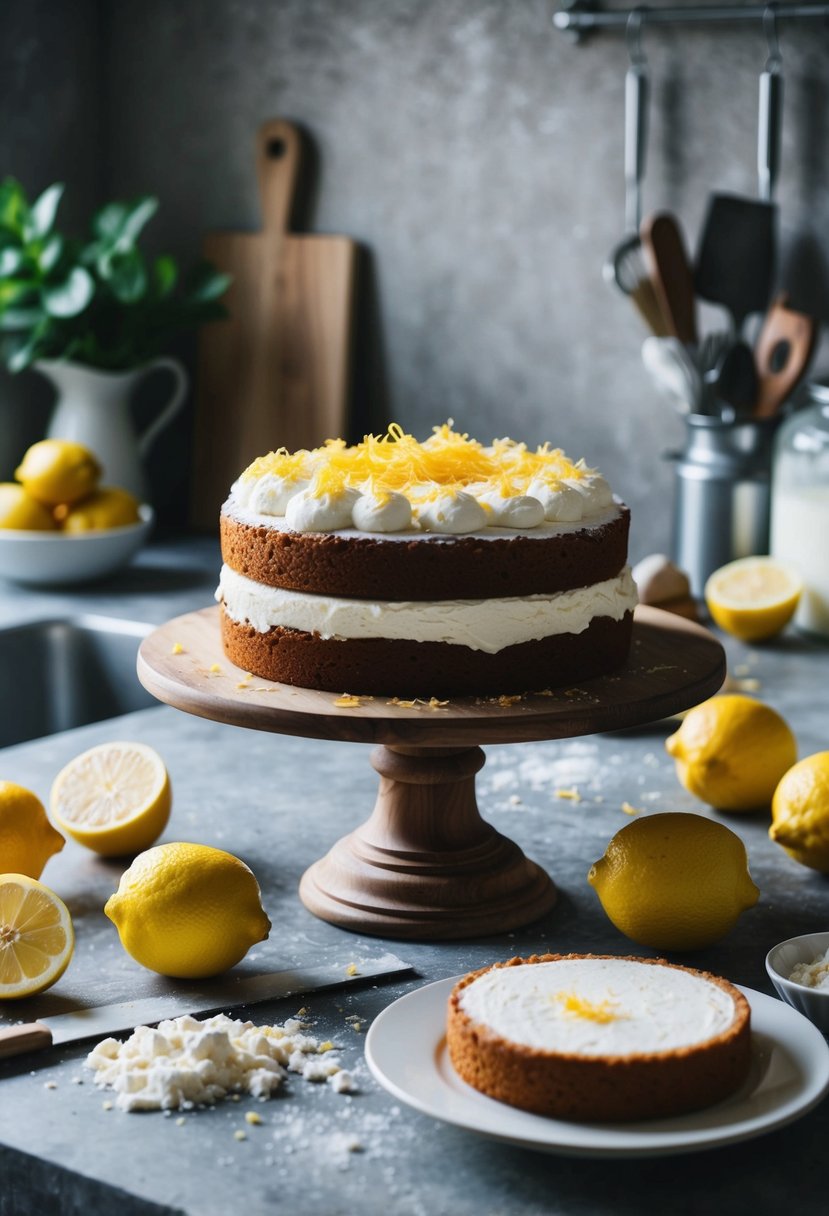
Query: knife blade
99	1021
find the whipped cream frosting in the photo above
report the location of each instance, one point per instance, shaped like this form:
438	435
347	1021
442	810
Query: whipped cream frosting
598	1006
451	483
486	625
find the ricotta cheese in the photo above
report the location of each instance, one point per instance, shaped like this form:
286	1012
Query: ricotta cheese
184	1062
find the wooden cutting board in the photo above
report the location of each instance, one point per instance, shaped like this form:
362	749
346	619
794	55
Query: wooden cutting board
276	372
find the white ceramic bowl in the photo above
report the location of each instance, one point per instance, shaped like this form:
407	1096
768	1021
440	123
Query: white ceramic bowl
782	958
57	559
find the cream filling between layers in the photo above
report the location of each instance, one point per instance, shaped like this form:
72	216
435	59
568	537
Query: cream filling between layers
488	625
598	1006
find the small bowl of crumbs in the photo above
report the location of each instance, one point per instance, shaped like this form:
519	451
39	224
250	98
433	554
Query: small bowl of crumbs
799	970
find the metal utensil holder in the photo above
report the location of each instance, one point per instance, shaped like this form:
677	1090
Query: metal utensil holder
722	494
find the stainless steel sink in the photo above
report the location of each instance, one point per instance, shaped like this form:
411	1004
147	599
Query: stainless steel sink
58	674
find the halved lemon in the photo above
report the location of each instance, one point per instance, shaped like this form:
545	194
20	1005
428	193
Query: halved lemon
754	597
36	937
114	798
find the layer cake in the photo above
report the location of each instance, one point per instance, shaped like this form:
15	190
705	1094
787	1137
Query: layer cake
434	569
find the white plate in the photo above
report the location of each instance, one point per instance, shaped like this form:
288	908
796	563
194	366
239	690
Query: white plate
406	1052
58	559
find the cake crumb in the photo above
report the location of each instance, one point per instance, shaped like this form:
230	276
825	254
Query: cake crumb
50	1085
180	1121
240	1135
107	1105
253	1118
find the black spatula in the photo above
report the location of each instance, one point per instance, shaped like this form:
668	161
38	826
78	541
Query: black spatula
735	261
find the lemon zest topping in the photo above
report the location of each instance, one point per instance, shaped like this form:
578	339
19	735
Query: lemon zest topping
444	464
591	1011
572	795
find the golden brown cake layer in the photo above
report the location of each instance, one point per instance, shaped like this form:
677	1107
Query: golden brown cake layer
463	567
606	1088
426	669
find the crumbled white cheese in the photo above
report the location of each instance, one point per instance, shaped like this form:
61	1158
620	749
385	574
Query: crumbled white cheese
814	974
186	1062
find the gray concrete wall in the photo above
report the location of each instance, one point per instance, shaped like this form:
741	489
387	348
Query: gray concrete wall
50	83
477	155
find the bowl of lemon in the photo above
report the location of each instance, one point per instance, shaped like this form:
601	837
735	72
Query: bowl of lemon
59	525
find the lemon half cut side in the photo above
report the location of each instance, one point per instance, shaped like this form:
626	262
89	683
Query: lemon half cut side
115	798
753	598
36	937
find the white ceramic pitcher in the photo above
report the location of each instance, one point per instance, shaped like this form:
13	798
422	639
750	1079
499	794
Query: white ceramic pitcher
93	408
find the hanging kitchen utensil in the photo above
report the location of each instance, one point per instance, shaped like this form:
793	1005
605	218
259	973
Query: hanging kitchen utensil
736	258
276	372
784	350
771	110
626	265
671	274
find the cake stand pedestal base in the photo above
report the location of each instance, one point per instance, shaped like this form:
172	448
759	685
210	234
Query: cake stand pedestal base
425	865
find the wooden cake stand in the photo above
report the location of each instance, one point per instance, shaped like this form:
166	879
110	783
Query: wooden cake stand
425	865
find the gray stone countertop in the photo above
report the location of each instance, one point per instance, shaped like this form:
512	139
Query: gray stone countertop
280	803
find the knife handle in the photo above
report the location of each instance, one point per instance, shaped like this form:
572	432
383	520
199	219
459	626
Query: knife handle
30	1036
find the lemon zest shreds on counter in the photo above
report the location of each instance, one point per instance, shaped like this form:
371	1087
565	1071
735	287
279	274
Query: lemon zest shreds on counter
348	701
629	809
572	795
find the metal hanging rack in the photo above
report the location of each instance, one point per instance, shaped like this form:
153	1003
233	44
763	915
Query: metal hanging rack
580	17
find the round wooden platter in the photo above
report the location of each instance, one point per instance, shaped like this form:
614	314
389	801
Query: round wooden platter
425	865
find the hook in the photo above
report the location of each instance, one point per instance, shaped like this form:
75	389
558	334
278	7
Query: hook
775	60
633	34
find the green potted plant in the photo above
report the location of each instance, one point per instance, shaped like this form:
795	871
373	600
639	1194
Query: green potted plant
95	314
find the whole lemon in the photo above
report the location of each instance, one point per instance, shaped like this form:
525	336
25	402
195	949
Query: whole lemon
19	510
731	751
109	507
27	838
800	812
58	471
188	910
674	881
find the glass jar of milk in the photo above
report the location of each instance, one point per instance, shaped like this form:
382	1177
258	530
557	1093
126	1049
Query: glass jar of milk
800	505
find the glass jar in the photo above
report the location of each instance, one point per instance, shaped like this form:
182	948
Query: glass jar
800	505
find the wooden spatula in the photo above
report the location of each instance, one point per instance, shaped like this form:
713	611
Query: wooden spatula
783	352
671	274
276	372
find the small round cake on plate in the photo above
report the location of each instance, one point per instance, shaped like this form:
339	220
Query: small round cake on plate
599	1037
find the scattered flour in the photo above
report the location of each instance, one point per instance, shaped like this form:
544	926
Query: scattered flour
814	974
185	1062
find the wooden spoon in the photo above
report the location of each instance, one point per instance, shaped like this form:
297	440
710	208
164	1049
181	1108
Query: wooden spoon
784	349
